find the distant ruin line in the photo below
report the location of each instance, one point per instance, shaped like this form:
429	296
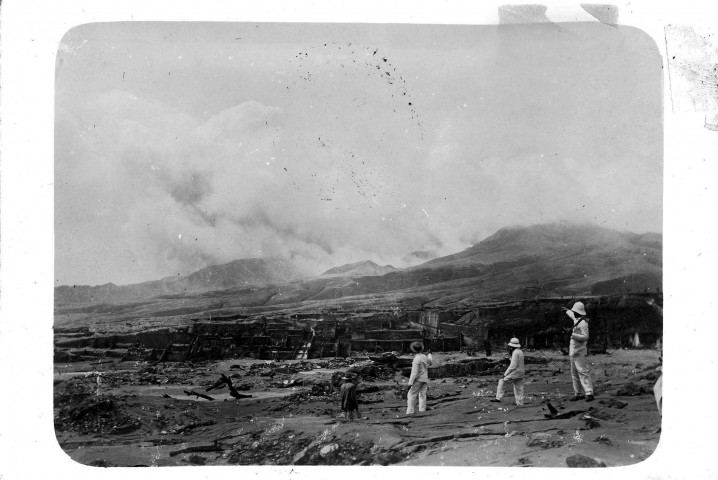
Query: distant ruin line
616	322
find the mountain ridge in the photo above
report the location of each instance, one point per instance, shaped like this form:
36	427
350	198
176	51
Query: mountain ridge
363	268
521	262
250	271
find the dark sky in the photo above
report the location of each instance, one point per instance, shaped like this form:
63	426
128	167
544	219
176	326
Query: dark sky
180	145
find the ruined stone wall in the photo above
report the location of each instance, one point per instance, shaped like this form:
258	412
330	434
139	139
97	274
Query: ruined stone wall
410	316
443	344
372	346
325	330
446	344
473	333
432	319
378	322
429	319
150	339
613	321
322	349
387	335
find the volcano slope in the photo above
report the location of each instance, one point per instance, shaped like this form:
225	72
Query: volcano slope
551	260
138	414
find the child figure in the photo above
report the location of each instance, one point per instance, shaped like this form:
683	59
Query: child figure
348	395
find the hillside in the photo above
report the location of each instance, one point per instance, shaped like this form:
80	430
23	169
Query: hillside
524	262
365	268
417	257
571	242
250	271
514	263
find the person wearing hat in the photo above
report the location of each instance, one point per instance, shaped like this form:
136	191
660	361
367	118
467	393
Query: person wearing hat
419	379
348	395
514	374
577	352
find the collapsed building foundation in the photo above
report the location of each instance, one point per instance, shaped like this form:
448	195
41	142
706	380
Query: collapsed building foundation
616	322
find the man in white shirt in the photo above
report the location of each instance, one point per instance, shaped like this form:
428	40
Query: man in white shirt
419	379
577	352
514	374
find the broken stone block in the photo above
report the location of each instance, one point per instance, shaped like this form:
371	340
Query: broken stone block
368	389
582	461
545	440
613	403
599	414
388	458
590	422
327	449
604	440
630	389
651	376
199	447
196	460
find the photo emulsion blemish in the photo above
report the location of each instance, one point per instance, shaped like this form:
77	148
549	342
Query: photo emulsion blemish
358	244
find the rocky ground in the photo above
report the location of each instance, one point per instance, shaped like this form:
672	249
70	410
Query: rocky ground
112	413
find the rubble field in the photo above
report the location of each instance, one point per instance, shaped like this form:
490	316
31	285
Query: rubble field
258	412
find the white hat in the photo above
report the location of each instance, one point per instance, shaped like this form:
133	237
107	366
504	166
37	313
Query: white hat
578	308
416	347
514	343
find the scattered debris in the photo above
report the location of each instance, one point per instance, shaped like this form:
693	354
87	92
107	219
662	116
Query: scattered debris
94	414
201	447
630	389
225	380
370	371
128	426
651	376
559	416
197	394
388	458
613	403
604	440
196	460
545	440
600	414
582	461
186	428
590	422
297	422
328	449
295	382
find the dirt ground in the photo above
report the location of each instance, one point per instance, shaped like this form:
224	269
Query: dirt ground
138	414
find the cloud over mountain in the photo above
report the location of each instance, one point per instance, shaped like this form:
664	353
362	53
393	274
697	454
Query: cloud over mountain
179	147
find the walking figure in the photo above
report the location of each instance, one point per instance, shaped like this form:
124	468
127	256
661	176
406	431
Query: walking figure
514	374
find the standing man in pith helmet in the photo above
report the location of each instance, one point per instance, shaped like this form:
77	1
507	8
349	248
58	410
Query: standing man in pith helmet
514	374
419	379
577	352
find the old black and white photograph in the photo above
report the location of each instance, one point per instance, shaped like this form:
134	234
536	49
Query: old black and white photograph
354	244
358	244
318	239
